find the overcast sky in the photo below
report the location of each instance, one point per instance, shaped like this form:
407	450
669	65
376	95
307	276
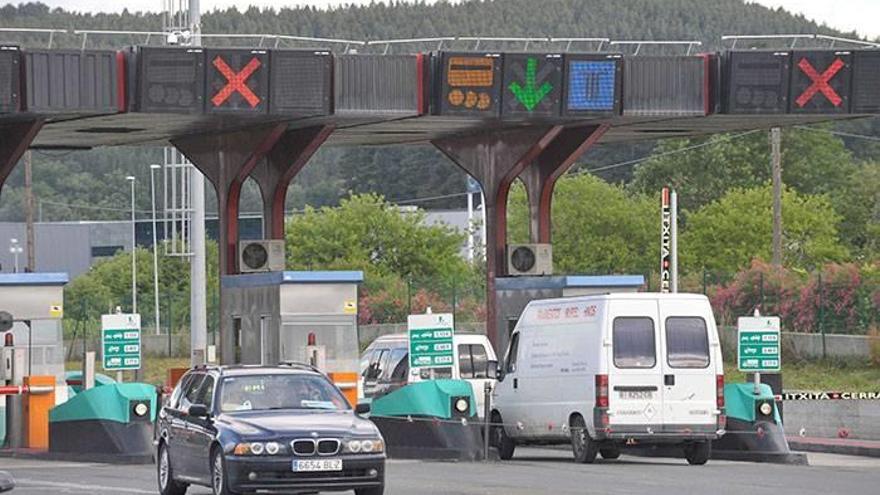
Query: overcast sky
860	15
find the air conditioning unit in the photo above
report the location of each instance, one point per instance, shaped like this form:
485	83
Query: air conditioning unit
529	259
261	256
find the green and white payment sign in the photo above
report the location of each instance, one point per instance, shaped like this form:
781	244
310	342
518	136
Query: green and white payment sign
121	341
759	349
430	341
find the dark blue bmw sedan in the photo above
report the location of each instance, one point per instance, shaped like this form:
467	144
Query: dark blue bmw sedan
276	429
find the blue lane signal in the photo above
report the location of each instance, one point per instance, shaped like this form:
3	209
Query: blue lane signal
592	85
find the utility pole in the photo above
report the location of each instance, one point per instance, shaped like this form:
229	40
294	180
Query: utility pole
198	273
29	211
776	164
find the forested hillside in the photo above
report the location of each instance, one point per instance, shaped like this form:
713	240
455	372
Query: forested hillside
91	184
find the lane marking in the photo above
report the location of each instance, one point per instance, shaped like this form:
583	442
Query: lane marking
76	486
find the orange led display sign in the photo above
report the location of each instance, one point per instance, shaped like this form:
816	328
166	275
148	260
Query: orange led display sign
471	84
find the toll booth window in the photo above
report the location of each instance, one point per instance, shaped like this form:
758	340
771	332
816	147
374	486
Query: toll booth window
472	361
511	353
634	343
687	342
399	364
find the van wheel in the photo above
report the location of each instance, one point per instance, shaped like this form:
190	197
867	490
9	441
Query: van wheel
698	453
500	440
610	453
582	446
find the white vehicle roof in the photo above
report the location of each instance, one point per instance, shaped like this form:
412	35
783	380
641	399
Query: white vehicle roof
637	296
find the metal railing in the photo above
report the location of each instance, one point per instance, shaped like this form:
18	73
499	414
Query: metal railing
795	38
49	31
640	43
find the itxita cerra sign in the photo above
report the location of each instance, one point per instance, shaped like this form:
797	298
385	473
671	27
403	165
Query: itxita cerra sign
121	342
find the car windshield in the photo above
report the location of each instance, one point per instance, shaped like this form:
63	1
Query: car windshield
282	391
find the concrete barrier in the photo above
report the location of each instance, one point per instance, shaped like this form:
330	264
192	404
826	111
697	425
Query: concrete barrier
857	419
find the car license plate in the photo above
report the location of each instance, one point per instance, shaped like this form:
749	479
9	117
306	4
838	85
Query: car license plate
636	395
314	465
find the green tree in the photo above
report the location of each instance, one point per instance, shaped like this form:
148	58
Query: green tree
597	227
726	235
813	162
365	232
858	203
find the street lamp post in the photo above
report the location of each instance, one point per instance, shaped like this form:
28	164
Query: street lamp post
134	297
154	168
15	249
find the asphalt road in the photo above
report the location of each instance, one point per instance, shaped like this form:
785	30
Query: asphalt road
533	471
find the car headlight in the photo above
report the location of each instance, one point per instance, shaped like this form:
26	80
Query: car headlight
257	448
462	405
272	448
766	409
365	446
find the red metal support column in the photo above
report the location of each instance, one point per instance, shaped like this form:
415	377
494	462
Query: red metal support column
227	159
15	138
495	159
286	159
540	176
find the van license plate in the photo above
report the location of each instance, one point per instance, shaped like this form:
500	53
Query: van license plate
314	465
636	395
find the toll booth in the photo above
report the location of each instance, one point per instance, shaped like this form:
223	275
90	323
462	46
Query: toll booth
307	317
514	293
34	345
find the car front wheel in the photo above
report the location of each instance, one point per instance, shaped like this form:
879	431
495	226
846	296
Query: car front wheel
219	481
167	485
582	446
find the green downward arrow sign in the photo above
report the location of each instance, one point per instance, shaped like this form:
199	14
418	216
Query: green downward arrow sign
531	94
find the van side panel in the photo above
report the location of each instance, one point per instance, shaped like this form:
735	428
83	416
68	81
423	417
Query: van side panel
561	353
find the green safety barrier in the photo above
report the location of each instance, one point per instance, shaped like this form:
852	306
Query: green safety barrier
740	401
106	403
429	398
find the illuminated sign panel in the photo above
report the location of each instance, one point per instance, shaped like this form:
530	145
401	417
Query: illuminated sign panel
238	81
532	85
301	82
820	81
470	84
169	80
9	78
593	84
757	82
866	82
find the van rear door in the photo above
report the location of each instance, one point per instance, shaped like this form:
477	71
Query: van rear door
688	368
635	379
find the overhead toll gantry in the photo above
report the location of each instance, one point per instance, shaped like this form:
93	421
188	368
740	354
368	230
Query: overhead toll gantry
262	112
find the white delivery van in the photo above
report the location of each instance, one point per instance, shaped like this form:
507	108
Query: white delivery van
385	365
608	371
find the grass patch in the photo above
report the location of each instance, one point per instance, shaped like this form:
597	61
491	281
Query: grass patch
819	376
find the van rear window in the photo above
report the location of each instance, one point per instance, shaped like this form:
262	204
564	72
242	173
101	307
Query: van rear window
634	343
687	342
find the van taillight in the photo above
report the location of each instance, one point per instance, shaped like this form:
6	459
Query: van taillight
601	390
719	391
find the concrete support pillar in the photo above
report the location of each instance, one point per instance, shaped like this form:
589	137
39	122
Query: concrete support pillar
286	159
15	138
495	159
541	175
227	159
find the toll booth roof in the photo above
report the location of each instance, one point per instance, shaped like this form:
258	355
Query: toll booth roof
33	279
570	282
292	277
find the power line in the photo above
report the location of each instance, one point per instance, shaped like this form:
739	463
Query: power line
666	153
839	133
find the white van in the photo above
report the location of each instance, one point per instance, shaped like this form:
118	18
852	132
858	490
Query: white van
385	365
609	371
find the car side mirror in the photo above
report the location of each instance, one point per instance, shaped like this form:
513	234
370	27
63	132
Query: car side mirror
492	369
7	482
198	411
362	408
